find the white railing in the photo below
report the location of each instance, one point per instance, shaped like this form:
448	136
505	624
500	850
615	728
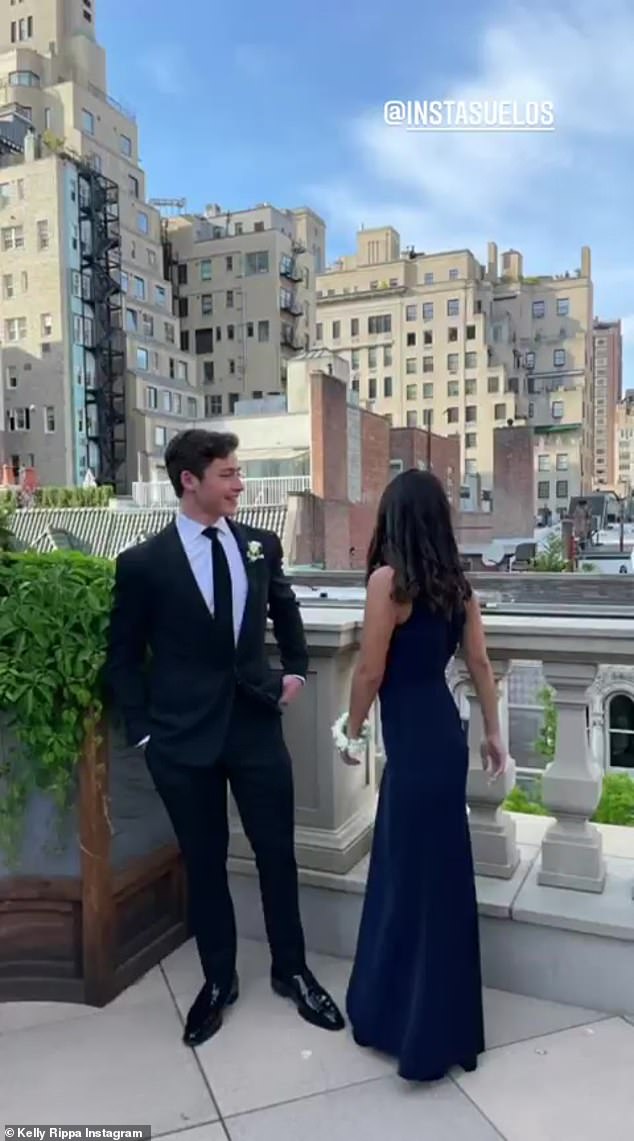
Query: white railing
268	491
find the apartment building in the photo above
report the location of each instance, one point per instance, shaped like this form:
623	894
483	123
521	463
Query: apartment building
93	374
439	339
624	445
245	294
608	390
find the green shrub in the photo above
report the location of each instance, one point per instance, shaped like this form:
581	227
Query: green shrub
54	615
617	801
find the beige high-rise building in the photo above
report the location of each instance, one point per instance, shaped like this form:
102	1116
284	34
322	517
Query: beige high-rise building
245	285
624	445
93	375
439	339
608	390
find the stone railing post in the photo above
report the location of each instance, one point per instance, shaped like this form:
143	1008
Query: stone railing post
572	849
334	803
495	851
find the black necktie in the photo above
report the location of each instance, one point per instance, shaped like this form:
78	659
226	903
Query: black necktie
223	594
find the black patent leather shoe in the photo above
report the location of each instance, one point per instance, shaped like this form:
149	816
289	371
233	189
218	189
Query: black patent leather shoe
205	1017
313	1003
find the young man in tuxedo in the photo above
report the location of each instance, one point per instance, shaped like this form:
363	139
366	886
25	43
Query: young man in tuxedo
207	711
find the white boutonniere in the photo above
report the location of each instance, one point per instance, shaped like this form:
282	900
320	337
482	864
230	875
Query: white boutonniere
254	551
354	747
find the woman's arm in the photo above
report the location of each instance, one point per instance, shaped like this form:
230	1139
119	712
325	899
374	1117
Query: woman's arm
477	660
379	621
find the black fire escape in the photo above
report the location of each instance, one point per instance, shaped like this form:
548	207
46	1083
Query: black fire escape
104	344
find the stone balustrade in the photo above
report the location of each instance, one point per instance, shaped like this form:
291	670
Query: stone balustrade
335	803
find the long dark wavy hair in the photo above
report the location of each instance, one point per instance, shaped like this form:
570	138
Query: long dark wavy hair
414	535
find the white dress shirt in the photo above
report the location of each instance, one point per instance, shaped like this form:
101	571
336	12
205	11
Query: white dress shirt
197	547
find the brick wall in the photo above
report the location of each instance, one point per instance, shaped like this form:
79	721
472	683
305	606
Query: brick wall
413	448
329	437
513	483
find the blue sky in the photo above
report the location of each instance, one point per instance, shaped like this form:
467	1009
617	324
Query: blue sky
304	123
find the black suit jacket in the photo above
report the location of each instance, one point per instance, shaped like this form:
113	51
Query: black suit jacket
165	669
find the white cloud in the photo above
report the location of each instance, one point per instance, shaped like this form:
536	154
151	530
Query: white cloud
547	194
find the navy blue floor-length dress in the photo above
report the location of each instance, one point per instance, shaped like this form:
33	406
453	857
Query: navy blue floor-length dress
415	992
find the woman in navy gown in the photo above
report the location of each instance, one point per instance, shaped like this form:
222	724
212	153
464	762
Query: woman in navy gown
415	991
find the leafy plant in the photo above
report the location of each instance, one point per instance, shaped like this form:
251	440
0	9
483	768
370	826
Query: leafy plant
54	613
7	541
617	796
552	560
65	496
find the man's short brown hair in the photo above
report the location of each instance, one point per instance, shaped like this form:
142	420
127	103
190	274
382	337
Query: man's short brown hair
194	450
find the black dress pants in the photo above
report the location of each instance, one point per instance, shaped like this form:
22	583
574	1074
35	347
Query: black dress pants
256	765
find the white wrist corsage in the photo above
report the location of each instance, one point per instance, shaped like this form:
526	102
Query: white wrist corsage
354	746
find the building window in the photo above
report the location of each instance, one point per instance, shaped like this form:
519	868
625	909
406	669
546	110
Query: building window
453	307
563	306
543	463
428	311
471	413
539	308
411	340
263	331
11	376
133	185
208	372
453	415
372	358
372	388
428	363
142	222
410	365
471	440
471	332
151	397
380	324
160	436
13	238
257	262
453	388
125	145
562	462
19	420
411	392
319	331
142	359
500	412
530	360
562	489
471	360
49	419
452	333
387	356
204	340
493	384
205	269
559	358
354	327
87	122
46	324
139	288
453	274
8	289
15	329
207	304
557	409
429	279
43	236
621	731
470	387
428	392
387	387
336	330
543	489
452	362
412	420
131	320
213	406
229	299
148	325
